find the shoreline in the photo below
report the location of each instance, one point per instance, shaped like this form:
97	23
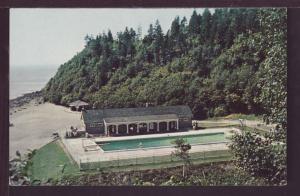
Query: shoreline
25	99
32	121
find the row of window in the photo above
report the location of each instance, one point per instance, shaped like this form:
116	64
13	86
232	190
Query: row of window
183	119
101	124
96	125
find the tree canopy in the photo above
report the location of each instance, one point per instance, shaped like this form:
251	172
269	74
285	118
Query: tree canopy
217	63
266	155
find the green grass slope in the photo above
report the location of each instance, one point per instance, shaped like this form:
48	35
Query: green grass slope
51	161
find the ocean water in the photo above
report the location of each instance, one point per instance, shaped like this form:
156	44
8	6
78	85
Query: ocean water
27	79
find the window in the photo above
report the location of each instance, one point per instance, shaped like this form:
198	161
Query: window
96	124
184	119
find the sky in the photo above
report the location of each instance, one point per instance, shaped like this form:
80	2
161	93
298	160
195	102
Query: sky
40	37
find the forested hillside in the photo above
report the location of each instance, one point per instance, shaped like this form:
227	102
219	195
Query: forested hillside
228	61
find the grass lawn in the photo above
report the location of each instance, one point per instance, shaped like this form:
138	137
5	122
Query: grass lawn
238	116
51	161
204	125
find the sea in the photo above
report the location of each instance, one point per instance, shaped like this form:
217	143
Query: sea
30	78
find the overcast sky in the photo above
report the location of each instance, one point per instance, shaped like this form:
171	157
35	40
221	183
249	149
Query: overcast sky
53	36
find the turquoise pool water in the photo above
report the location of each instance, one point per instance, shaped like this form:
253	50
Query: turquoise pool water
160	142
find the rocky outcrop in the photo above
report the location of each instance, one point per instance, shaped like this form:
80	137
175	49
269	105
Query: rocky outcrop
26	98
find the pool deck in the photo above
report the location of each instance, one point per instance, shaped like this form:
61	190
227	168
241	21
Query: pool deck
75	147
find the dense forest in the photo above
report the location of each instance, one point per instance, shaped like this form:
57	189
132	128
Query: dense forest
220	62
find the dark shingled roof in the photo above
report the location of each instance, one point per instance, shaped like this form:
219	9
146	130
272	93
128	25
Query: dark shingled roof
92	116
141	118
78	103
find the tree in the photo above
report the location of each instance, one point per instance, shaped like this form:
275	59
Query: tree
158	42
261	156
274	67
150	33
194	24
110	37
139	32
87	39
266	156
95	46
206	25
182	153
175	28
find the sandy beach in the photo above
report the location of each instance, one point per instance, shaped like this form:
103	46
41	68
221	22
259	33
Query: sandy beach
33	125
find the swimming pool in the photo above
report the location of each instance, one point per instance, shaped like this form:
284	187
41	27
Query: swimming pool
158	142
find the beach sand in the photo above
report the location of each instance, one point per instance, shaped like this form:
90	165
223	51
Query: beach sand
33	125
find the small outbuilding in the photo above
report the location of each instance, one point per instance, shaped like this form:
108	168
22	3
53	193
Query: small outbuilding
78	105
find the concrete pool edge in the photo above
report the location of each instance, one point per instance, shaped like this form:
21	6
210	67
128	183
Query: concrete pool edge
158	135
148	148
77	152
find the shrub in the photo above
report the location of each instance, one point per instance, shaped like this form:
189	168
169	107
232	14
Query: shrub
261	156
220	111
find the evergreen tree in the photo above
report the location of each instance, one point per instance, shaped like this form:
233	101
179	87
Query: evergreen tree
110	37
194	23
158	42
206	25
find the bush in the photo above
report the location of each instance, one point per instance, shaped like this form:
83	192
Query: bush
261	156
212	174
220	111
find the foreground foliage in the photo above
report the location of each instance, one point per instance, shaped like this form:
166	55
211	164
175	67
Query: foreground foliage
200	175
182	152
261	156
265	156
18	168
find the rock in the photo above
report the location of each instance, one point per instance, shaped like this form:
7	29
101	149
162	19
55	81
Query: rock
25	99
148	184
100	179
125	179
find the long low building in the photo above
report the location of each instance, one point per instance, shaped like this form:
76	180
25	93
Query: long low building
131	121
